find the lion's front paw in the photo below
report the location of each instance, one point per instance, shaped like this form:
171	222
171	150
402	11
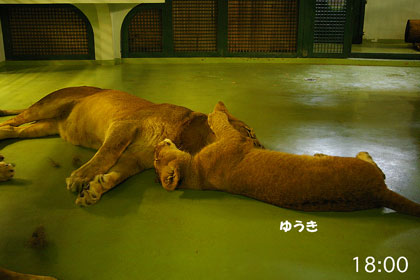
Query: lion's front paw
76	184
92	192
7	171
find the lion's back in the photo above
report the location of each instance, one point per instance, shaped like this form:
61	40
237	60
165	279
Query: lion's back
90	119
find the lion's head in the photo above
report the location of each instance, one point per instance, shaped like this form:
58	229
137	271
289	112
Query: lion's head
168	158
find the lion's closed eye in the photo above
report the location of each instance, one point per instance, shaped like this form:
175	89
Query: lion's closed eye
250	133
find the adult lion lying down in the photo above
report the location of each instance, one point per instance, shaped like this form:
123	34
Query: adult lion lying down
309	183
124	128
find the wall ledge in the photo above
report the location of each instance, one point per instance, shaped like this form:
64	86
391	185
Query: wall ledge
211	60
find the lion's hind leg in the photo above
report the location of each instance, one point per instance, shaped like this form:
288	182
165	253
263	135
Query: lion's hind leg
37	129
54	105
11	275
10	112
366	157
33	114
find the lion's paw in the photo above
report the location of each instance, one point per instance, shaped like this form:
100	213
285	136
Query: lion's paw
92	192
75	184
7	171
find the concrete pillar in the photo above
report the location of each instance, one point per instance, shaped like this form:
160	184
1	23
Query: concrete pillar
118	14
100	19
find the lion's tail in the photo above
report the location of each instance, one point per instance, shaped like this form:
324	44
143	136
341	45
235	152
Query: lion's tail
10	112
400	204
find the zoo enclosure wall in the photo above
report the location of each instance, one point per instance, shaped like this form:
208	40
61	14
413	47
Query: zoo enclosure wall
186	28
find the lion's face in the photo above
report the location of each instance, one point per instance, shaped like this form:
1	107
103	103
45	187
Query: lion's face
246	131
7	170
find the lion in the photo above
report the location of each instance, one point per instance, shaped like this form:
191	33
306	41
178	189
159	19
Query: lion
122	127
310	183
7	170
6	274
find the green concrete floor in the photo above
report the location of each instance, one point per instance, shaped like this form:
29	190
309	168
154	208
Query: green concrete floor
140	231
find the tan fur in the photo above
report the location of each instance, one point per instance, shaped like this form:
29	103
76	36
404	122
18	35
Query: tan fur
310	183
7	170
6	274
124	128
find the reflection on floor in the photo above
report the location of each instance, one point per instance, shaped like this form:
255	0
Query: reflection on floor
385	46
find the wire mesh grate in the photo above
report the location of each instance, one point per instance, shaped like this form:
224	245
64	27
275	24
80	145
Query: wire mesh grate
194	25
46	31
262	26
329	26
145	31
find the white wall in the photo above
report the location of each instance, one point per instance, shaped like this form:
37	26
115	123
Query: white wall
100	19
106	21
386	19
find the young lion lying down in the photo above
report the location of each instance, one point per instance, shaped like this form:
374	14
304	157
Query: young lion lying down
301	182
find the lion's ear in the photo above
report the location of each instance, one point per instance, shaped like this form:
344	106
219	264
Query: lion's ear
170	176
220	106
